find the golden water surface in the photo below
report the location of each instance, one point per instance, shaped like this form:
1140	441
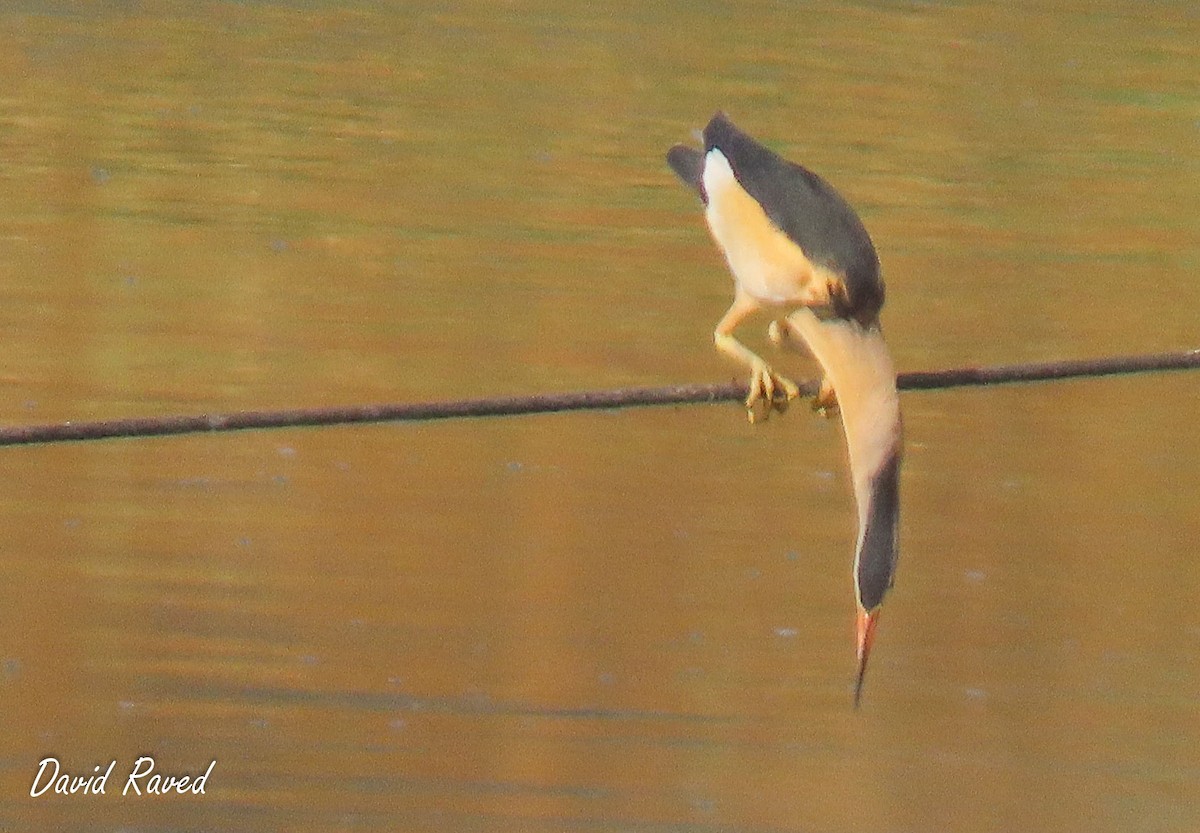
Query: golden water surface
627	621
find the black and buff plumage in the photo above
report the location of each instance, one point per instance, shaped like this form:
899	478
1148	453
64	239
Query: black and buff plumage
797	249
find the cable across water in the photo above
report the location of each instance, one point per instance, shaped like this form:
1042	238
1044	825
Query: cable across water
542	403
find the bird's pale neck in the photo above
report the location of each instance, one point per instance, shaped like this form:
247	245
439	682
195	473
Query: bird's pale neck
856	361
857	364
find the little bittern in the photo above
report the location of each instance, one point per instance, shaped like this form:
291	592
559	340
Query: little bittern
798	250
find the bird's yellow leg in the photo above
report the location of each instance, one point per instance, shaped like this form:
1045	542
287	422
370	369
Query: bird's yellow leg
764	382
782	335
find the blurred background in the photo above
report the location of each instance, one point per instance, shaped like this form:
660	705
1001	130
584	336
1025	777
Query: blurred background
629	621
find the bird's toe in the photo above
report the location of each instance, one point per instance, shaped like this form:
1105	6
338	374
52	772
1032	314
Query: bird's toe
772	391
825	402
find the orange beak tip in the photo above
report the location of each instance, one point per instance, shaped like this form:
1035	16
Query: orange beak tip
865	627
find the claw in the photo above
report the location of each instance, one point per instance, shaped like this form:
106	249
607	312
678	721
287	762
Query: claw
825	402
789	387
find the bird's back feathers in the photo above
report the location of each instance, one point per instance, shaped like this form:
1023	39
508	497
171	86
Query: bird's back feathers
800	204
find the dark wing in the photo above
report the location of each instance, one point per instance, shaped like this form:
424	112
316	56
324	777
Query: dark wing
688	164
808	210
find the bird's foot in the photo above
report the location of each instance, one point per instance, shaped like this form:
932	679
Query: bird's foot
768	387
825	402
779	332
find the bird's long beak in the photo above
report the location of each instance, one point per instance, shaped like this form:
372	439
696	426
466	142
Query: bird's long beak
867	620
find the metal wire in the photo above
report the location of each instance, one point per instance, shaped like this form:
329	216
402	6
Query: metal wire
542	403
